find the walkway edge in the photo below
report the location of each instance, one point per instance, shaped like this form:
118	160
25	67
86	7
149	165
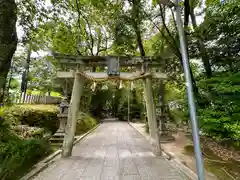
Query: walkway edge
176	162
40	166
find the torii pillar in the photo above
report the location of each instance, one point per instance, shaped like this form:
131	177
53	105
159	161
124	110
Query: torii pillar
73	110
151	116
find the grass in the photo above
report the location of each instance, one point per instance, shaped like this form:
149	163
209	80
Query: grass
53	94
40	107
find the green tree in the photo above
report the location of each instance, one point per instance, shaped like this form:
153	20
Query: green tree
219	30
42	75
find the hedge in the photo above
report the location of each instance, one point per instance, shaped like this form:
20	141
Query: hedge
43	116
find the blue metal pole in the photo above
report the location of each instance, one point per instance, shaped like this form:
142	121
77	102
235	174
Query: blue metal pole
191	100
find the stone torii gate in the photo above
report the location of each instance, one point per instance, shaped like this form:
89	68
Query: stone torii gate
74	67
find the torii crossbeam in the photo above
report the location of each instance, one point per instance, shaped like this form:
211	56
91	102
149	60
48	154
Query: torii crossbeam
74	67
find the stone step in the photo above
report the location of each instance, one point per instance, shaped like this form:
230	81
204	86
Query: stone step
58	136
57	144
58	140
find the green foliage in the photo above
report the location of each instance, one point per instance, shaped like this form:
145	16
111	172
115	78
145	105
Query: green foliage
220	118
100	97
5	133
220	31
175	101
43	116
14	84
17	156
212	2
136	105
177	115
100	100
124	43
84	123
26	132
101	27
41	75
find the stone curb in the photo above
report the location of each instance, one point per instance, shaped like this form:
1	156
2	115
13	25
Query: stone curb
176	162
49	160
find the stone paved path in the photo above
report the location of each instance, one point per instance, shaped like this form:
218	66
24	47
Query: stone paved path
114	151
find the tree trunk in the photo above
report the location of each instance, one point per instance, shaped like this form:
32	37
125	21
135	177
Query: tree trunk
9	82
49	92
24	83
202	49
8	40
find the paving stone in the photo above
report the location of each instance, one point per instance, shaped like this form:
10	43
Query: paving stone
57	170
87	178
128	167
93	170
114	151
131	177
112	162
110	173
75	171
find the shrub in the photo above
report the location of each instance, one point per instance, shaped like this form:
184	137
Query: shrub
84	123
136	106
5	133
26	132
43	116
177	115
17	156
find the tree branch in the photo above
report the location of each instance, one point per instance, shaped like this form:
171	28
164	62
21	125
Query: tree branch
78	10
79	23
169	33
88	25
186	13
177	52
174	21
